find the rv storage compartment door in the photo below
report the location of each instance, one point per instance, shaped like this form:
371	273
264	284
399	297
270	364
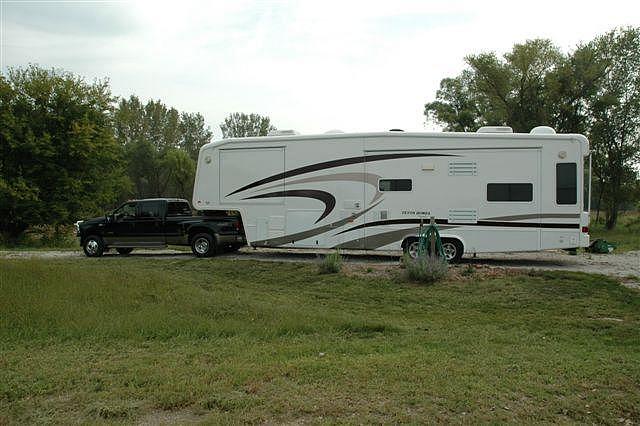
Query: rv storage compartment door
247	166
251	180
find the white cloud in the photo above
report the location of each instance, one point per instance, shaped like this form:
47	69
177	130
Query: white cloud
311	66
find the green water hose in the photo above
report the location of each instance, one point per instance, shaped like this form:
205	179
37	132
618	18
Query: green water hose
427	234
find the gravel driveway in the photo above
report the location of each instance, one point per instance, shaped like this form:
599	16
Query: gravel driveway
622	265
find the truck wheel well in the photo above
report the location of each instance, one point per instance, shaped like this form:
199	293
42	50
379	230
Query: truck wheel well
200	230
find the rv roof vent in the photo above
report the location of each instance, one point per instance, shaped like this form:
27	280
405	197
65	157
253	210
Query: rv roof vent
543	130
329	132
282	133
495	129
396	130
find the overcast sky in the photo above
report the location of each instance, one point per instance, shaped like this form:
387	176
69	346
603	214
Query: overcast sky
310	66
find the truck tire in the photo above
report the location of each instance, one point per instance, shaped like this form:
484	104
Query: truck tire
93	246
124	250
203	245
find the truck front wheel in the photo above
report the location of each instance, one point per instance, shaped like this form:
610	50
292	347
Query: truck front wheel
93	246
203	245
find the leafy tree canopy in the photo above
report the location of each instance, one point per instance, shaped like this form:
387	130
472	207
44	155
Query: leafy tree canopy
59	159
240	125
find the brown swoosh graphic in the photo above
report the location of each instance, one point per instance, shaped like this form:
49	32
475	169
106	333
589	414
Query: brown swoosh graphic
328	199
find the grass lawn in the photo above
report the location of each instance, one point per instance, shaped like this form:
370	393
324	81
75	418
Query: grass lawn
137	340
626	234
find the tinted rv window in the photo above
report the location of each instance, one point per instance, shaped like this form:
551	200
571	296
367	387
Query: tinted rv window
509	192
394	184
566	183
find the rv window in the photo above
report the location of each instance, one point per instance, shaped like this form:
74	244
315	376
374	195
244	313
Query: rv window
394	184
509	192
566	183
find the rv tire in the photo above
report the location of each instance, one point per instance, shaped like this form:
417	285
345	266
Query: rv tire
453	249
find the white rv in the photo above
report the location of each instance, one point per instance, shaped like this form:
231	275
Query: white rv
490	191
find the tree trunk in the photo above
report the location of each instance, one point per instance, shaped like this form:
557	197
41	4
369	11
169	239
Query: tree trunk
612	216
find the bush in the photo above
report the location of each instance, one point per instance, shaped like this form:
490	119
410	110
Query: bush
331	263
43	236
425	269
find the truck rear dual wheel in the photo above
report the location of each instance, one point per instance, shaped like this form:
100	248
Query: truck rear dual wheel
203	245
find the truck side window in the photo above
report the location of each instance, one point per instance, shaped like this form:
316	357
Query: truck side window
566	183
395	184
178	208
149	209
126	211
509	192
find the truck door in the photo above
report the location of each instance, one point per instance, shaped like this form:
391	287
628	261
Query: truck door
177	213
120	230
148	227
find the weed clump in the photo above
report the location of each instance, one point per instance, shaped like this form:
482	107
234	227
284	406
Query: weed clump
425	269
331	263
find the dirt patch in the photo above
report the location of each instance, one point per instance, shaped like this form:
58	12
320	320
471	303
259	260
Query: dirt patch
163	417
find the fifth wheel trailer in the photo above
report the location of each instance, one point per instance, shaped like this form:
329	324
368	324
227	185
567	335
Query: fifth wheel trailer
489	191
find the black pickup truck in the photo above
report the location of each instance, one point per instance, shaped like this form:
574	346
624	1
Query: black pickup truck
159	222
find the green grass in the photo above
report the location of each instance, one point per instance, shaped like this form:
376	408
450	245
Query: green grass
130	340
626	234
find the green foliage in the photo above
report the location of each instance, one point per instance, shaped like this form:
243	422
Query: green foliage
626	235
59	160
425	269
239	125
615	134
494	91
594	90
224	341
330	263
161	146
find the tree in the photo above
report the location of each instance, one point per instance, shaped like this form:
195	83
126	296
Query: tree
239	125
59	160
494	91
154	137
457	106
615	133
194	133
182	170
593	90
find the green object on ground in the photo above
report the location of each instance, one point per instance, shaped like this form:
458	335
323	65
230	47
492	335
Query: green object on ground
425	236
601	246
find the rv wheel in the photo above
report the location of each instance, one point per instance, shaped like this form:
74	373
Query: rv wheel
411	248
453	250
